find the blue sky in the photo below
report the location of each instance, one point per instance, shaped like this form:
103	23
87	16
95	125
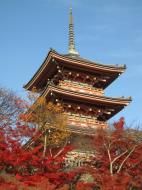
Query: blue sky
109	32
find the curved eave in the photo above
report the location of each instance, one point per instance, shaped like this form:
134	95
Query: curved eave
90	64
89	98
36	76
117	104
69	61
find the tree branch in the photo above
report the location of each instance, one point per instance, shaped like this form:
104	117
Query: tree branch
121	165
60	151
116	158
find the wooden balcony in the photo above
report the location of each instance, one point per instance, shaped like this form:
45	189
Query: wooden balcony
81	87
84	122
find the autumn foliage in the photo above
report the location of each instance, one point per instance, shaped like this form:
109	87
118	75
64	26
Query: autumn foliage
24	168
33	152
117	163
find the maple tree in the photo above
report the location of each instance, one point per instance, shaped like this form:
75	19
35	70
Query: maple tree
22	168
117	163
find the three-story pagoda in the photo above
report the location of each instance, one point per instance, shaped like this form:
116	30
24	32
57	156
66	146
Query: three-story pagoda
78	85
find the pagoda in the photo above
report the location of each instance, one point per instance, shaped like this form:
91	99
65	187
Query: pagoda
78	85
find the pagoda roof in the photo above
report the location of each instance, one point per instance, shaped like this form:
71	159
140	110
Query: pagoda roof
49	68
77	97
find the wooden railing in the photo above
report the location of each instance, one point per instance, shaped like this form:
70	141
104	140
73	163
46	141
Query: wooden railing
81	87
85	121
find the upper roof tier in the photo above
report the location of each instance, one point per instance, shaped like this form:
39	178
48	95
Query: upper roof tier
54	60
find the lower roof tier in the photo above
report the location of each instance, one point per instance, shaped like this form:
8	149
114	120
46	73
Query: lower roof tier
67	97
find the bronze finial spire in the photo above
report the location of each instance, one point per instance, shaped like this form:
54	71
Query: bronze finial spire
72	49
